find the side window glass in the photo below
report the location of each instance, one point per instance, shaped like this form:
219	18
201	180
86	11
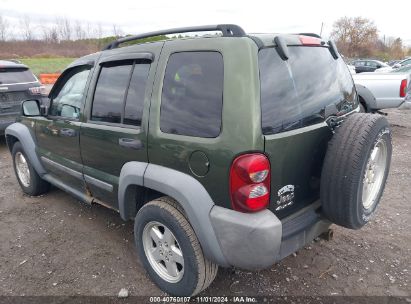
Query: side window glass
120	92
70	99
133	112
110	91
192	96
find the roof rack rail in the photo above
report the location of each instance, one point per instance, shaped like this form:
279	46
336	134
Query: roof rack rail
228	30
311	35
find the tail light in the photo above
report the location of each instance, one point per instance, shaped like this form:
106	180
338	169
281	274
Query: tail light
308	40
41	90
403	88
250	182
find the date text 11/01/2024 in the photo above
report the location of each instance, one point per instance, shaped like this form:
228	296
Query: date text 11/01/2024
204	299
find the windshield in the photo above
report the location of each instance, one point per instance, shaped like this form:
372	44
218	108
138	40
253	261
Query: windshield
295	93
16	75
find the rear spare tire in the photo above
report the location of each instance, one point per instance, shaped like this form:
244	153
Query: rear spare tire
355	169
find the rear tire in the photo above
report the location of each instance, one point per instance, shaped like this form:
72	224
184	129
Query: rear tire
30	182
355	170
190	271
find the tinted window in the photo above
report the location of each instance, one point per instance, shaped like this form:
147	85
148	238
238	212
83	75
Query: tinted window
8	76
295	93
372	64
71	96
135	95
192	97
110	91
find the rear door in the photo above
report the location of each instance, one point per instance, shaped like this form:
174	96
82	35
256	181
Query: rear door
297	95
116	123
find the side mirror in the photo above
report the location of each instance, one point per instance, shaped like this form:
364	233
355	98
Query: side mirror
31	108
396	66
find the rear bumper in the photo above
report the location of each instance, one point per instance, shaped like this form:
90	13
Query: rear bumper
256	241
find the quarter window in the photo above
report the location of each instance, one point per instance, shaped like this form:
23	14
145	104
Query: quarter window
192	97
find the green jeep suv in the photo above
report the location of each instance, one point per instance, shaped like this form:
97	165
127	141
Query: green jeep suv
229	149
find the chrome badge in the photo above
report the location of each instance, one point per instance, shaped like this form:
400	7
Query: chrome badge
285	197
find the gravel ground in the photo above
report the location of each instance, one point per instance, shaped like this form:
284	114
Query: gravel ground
55	245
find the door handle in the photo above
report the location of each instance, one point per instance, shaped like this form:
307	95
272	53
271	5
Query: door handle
131	143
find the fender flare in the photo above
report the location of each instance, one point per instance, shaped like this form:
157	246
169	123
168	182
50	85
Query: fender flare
23	134
367	95
186	190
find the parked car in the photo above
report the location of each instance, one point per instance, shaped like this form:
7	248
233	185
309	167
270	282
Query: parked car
351	68
402	63
403	69
369	65
17	83
226	150
379	91
392	62
407	101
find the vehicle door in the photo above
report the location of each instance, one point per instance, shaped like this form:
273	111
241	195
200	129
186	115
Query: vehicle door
58	134
360	66
115	128
371	66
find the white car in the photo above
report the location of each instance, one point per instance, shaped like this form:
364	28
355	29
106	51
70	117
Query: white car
381	90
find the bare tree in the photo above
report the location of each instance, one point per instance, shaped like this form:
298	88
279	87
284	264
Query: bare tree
79	30
4	29
117	32
397	49
98	31
26	28
50	33
355	36
64	28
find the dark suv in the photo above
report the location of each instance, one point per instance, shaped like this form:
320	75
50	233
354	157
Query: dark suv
229	150
17	83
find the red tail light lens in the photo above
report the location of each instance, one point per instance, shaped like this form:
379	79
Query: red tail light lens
403	88
308	40
250	182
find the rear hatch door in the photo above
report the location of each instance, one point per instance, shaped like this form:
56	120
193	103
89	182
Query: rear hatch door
297	96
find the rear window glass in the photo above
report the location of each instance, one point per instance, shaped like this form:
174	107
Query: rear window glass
192	97
295	93
15	75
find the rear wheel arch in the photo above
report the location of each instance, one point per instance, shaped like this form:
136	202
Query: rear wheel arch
150	181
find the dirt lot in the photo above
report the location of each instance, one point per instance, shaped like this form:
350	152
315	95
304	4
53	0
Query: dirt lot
54	245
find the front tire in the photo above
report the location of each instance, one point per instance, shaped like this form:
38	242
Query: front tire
169	249
30	182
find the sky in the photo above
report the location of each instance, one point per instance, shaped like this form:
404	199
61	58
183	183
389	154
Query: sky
137	16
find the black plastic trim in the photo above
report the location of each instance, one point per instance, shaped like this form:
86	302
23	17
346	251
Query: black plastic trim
228	30
282	48
333	49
